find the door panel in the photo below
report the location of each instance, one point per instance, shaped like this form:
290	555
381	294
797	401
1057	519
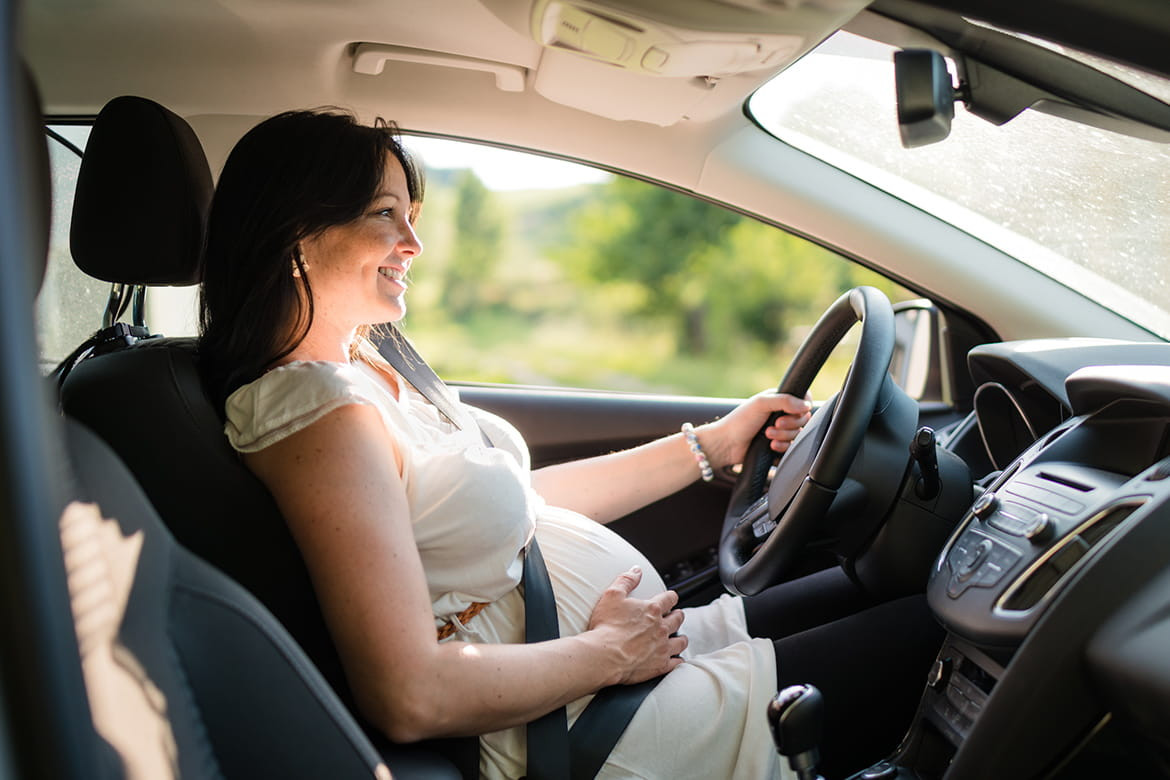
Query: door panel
562	425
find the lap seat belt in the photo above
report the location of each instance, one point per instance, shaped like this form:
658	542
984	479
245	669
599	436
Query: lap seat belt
554	751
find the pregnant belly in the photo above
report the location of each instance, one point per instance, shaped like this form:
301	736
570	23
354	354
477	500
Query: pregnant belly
583	558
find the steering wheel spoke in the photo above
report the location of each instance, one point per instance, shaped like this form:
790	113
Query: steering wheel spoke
758	519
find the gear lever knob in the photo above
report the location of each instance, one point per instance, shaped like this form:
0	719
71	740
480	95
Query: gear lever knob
796	715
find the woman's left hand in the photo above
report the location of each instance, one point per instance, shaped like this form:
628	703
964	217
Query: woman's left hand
726	440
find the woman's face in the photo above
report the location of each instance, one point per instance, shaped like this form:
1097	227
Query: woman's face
357	271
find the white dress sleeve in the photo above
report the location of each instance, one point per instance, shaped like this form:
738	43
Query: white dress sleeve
288	399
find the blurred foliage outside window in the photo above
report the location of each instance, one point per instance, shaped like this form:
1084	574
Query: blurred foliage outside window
617	285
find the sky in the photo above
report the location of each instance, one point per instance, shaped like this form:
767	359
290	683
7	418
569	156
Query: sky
500	169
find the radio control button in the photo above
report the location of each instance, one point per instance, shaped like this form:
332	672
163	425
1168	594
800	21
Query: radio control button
1041	530
974	559
985	506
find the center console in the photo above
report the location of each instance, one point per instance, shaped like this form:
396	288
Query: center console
1009	670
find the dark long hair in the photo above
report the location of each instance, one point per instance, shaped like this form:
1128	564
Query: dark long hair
289	178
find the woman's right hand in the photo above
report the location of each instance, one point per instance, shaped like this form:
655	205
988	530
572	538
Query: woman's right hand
640	633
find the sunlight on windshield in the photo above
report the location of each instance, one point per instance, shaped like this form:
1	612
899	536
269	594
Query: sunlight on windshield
1085	206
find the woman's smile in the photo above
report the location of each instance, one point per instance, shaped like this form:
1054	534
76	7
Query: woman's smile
396	276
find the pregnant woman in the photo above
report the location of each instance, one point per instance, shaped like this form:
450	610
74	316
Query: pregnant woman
413	530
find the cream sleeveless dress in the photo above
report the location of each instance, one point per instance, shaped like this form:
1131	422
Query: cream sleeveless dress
473	512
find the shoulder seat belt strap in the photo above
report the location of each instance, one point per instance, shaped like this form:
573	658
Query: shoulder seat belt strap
402	356
554	751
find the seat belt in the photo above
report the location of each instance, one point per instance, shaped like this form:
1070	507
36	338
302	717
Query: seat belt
554	752
404	358
602	723
548	749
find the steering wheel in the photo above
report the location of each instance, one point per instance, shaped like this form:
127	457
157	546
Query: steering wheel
766	525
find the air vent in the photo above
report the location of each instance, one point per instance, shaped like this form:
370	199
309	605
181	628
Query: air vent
1054	436
1066	481
1042	577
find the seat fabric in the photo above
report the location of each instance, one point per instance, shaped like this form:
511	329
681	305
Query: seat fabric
147	402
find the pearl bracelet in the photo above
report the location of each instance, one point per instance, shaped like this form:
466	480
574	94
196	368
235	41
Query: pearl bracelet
688	431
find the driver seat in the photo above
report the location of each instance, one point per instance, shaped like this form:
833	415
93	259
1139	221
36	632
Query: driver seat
148	403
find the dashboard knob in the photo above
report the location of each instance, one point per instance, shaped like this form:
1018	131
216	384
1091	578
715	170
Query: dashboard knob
883	770
975	558
985	506
1041	529
940	673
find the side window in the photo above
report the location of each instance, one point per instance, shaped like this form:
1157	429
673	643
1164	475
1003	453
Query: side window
70	305
543	272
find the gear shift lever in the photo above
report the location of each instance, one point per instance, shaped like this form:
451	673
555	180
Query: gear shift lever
796	715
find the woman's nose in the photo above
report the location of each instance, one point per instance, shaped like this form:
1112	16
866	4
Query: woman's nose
409	244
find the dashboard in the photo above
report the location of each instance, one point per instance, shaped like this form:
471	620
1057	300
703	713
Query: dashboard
1058	644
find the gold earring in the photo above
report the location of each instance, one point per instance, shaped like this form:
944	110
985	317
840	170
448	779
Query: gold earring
298	262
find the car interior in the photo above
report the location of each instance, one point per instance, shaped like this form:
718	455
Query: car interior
999	442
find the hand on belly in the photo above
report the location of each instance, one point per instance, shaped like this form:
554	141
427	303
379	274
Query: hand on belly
584	558
643	633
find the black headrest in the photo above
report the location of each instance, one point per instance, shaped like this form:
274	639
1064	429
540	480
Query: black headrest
143	193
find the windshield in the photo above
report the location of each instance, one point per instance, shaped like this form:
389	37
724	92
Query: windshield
1088	207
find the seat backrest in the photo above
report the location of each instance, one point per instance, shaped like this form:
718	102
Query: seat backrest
188	675
164	428
139	217
46	729
171	438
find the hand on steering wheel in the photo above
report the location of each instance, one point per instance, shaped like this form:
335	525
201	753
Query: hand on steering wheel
766	524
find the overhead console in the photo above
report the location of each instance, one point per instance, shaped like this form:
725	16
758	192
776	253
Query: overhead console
692	58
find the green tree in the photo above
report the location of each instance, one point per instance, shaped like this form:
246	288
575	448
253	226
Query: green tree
764	284
475	249
660	240
720	279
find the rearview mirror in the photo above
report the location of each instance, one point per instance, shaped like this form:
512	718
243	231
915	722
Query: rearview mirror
926	97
